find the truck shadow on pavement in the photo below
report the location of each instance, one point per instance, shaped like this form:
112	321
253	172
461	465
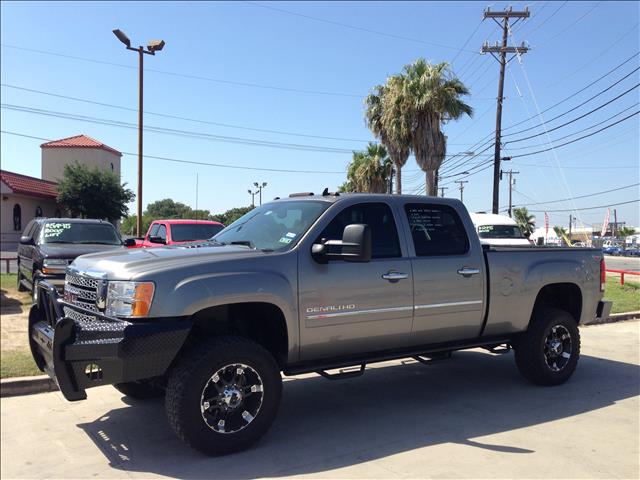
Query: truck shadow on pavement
325	425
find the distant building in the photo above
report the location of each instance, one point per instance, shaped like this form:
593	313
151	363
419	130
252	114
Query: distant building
25	197
79	149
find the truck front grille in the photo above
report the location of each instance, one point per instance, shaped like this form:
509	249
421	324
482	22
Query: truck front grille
81	291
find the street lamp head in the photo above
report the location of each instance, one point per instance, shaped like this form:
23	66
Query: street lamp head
255	184
264	184
249	192
155	45
122	37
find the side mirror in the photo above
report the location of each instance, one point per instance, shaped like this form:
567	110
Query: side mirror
26	240
129	242
355	245
155	239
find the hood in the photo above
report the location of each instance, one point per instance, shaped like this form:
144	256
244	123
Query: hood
126	263
71	250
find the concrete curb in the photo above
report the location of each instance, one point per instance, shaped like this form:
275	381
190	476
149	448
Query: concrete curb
12	387
614	317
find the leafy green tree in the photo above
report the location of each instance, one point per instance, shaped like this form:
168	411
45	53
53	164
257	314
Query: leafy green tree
525	220
167	208
369	170
230	216
386	120
427	97
93	193
128	225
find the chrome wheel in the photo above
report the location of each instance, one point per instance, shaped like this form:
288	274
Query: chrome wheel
231	398
558	348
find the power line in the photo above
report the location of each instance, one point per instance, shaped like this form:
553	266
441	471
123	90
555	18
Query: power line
193	162
185	75
466	43
573	120
563	30
574	133
177	117
588	208
180	133
581	196
354	27
571	109
577	139
547	19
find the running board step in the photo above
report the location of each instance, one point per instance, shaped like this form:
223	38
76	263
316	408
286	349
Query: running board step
344	373
498	350
433	358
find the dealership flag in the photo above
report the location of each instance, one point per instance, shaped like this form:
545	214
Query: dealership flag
546	224
605	224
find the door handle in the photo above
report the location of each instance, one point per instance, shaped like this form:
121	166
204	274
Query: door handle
467	271
395	276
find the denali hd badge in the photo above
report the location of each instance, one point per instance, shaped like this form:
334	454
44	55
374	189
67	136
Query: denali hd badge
330	308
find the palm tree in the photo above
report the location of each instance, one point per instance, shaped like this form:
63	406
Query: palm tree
525	221
431	97
384	119
562	234
369	170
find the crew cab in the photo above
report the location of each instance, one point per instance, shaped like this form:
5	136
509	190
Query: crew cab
176	231
309	283
48	245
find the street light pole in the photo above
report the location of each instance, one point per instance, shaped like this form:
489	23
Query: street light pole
152	47
260	186
253	196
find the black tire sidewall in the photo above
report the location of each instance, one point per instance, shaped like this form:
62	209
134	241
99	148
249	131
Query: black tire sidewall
201	436
565	320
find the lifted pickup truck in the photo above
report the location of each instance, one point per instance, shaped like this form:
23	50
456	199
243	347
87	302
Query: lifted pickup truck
310	283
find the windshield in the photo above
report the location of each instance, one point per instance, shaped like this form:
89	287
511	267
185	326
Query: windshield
500	231
79	233
186	232
274	226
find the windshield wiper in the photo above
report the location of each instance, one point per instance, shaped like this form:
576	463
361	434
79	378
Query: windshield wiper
246	243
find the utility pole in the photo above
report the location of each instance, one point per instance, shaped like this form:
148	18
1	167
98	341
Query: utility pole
390	187
461	187
512	182
570	223
253	196
499	52
442	189
615	223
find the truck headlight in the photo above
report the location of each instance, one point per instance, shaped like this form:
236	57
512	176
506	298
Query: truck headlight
54	265
129	299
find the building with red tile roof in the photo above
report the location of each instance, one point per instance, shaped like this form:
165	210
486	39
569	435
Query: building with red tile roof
25	197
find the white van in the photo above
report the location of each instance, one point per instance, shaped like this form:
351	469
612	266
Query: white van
498	230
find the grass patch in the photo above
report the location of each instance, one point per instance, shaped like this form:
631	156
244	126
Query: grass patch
626	298
18	363
8	285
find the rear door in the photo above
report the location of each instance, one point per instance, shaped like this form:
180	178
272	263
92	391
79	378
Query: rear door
448	272
25	252
348	308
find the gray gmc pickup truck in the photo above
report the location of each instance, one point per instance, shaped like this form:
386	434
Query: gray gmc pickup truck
310	283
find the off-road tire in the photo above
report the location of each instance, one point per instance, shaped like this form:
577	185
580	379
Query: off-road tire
19	285
193	371
141	390
530	347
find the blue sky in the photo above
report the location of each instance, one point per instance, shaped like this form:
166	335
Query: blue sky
304	71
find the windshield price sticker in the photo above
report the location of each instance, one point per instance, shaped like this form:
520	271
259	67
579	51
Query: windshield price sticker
290	235
485	228
285	240
52	230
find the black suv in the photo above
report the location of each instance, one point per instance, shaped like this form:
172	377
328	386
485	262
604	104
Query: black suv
48	245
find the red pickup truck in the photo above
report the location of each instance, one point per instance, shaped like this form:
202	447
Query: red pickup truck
174	231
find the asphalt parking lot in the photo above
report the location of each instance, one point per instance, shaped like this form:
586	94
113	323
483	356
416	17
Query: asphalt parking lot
471	416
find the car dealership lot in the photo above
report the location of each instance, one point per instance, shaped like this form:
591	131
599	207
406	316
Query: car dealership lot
472	416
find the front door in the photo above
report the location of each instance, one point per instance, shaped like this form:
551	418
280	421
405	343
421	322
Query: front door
448	273
348	308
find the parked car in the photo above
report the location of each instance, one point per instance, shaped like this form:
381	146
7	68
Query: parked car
306	284
48	245
612	250
176	231
498	230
